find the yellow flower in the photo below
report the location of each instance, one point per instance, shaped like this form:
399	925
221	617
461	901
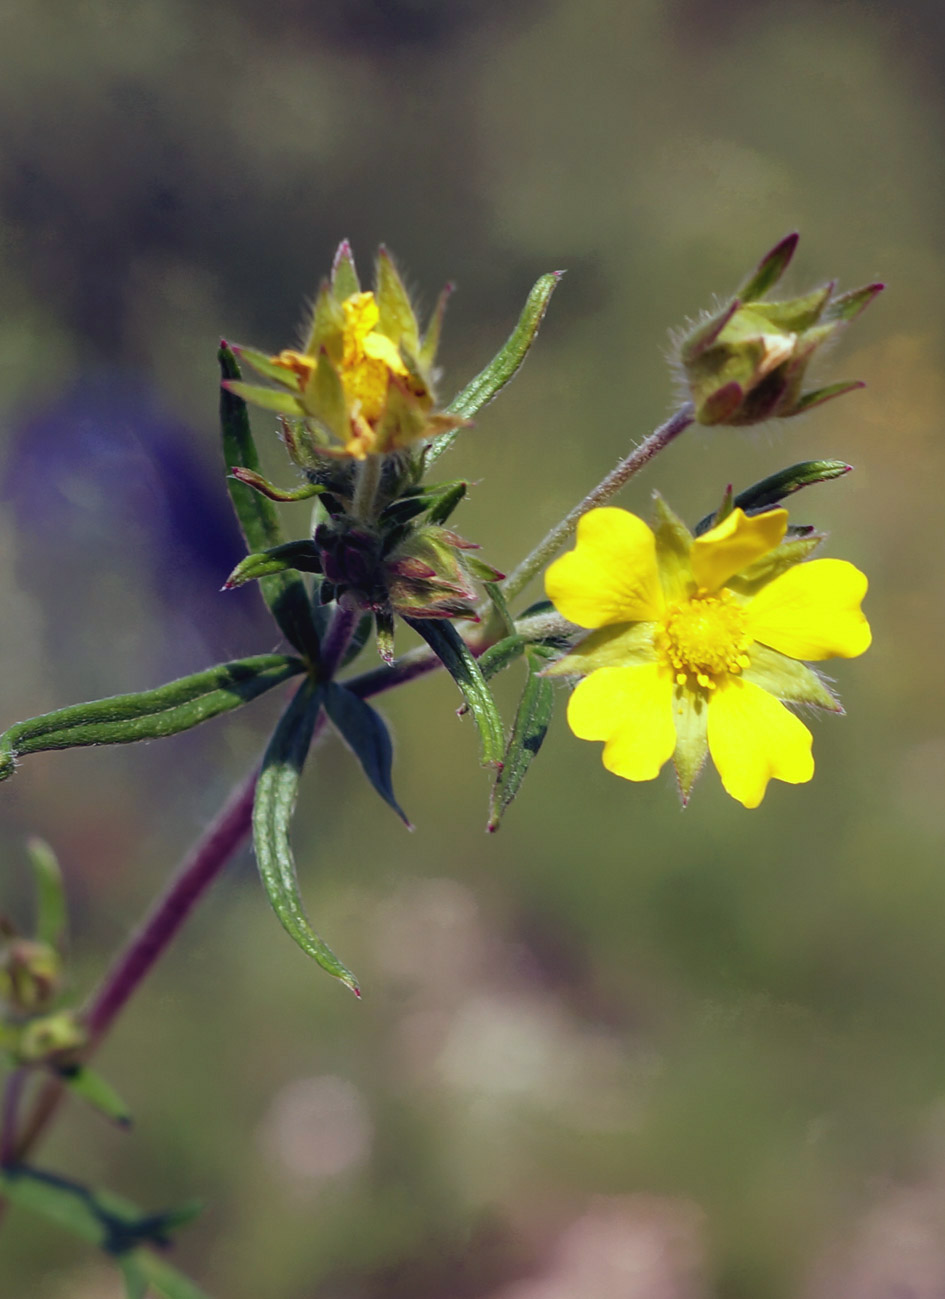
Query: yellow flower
697	643
363	384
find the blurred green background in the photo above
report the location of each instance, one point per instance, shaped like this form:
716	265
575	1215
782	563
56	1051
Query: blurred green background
616	1051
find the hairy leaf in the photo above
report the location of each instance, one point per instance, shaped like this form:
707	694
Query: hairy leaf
150	714
460	663
531	725
276	793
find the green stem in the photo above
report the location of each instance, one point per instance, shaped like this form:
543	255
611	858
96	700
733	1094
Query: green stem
548	547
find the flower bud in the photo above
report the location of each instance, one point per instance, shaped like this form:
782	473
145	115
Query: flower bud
51	1038
363	383
30	975
748	362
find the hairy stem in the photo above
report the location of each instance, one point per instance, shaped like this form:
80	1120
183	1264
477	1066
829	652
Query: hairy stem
608	487
365	488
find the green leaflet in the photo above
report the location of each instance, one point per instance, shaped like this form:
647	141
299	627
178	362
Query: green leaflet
504	364
98	1093
50	894
284	593
98	1217
501	654
276	793
365	731
298	555
460	663
531	725
151	714
769	491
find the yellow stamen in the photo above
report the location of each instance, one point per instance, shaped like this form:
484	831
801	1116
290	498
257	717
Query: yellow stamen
704	638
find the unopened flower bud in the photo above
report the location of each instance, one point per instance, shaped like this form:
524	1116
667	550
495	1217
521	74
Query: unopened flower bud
748	362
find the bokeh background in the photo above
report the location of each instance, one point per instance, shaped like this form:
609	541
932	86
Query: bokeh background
616	1050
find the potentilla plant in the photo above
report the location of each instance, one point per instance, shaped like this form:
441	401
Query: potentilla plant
680	643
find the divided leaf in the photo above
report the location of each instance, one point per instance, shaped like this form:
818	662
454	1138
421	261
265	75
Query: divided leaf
460	663
365	732
528	733
276	793
150	714
284	593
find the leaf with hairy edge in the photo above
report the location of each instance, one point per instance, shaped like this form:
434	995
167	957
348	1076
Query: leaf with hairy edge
504	364
769	491
460	663
152	714
276	793
284	593
365	732
531	725
98	1093
303	556
50	893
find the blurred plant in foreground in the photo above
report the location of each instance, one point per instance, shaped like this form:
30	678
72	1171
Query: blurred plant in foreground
697	639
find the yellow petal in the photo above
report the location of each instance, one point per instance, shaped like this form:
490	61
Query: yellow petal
812	611
380	348
753	739
733	544
632	709
611	575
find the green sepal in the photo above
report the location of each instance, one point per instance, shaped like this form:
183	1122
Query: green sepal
152	714
528	733
503	366
51	915
817	396
301	556
98	1217
460	663
848	306
325	397
431	339
384	634
344	273
690	711
483	572
98	1093
767	493
284	593
396	317
283	403
276	793
793	550
266	366
769	270
283	495
617	645
446	503
789	680
365	732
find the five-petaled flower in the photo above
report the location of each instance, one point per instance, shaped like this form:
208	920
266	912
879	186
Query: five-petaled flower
363	383
697	643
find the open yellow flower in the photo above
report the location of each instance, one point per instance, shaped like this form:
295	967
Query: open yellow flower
697	643
363	383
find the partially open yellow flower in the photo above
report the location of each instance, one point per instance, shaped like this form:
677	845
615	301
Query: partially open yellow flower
696	644
363	384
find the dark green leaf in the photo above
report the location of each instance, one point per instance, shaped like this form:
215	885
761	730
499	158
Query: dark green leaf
766	494
276	793
446	503
460	663
284	593
531	725
361	727
302	556
50	893
152	714
165	1279
93	1089
503	365
98	1217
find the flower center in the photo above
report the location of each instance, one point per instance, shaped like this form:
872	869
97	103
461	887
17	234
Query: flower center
703	638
